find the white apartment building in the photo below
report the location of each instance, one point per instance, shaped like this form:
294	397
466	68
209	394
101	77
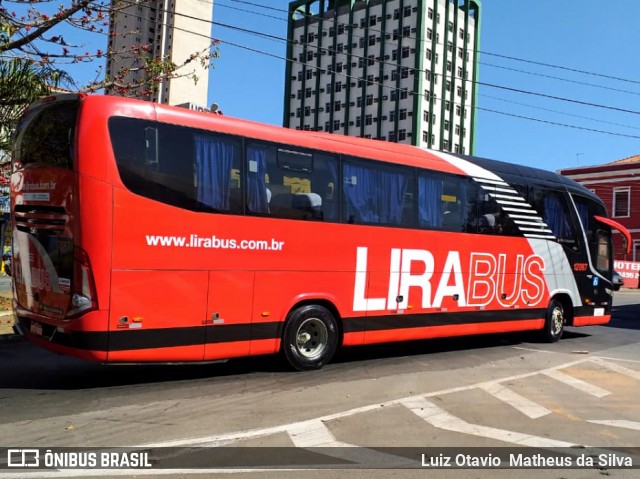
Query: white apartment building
395	70
156	28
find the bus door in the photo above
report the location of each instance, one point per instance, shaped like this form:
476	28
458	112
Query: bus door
228	317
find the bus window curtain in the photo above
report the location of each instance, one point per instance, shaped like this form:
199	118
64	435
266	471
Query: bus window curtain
556	218
330	209
430	202
373	196
257	200
214	162
583	214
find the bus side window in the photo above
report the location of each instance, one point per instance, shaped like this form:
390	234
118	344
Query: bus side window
216	160
552	205
259	196
377	194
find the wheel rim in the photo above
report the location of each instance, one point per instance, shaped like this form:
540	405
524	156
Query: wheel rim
557	321
311	338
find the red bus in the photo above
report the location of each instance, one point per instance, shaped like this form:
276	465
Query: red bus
148	233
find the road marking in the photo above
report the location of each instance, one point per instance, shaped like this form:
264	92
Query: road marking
438	417
617	368
576	383
314	434
618	423
525	406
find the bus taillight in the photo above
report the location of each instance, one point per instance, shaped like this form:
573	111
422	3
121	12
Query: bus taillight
83	293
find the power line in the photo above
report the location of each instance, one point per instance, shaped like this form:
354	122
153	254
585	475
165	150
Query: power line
533	62
274	37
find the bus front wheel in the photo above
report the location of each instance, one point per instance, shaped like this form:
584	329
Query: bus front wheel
554	322
310	337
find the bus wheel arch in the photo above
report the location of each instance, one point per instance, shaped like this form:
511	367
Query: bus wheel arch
558	315
311	335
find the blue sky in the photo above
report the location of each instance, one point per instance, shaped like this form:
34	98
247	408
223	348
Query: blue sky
591	35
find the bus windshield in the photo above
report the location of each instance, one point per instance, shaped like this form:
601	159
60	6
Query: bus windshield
43	206
45	135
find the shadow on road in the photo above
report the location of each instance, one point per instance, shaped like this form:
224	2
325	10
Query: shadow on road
26	366
626	317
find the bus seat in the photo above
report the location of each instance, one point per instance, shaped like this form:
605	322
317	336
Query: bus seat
309	203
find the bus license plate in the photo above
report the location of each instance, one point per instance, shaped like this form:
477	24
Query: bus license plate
36	328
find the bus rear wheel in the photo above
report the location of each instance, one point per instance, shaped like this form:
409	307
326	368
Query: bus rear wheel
554	322
310	337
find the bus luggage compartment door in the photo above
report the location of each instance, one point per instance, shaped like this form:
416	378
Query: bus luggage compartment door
157	315
228	318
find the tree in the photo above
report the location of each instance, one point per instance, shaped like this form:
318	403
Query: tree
22	82
35	56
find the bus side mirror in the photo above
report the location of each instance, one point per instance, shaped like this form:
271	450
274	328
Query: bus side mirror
150	147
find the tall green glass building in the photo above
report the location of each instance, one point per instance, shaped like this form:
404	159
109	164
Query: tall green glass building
394	70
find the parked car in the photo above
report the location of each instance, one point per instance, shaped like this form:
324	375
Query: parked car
617	281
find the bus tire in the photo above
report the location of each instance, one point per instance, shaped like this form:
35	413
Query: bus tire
310	337
554	322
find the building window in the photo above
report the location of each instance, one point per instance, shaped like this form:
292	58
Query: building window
394	55
307	93
336	125
404	94
403	114
369	99
428	54
368	120
404	72
358	121
430	13
407	11
425	117
338	87
392	136
406	32
371	60
392	115
309	74
429	34
394	75
621	202
307	111
336	105
405	52
340	28
446	125
402	135
339	67
359	102
372	40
